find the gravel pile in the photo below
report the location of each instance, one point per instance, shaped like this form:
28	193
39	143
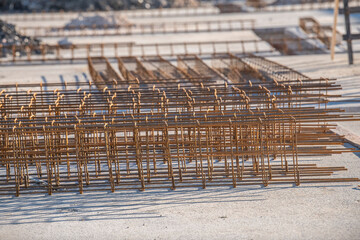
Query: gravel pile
9	36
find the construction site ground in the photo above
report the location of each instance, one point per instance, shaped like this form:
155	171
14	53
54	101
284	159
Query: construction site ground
308	211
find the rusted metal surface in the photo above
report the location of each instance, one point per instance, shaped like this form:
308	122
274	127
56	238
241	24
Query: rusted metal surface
193	132
102	73
236	70
149	69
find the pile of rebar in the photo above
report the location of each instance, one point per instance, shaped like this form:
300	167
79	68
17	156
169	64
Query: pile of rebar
241	120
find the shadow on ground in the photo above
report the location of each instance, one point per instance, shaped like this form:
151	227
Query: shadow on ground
128	204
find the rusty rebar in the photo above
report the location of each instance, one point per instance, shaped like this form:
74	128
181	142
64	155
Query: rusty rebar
158	125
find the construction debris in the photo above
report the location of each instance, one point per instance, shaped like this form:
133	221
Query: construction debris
90	21
260	3
10	37
229	7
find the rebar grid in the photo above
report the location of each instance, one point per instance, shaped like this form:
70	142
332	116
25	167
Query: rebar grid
75	52
140	29
189	133
80	52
